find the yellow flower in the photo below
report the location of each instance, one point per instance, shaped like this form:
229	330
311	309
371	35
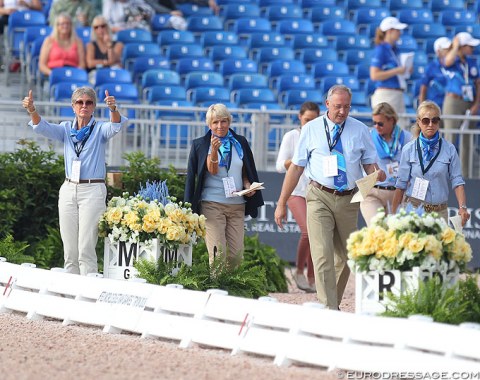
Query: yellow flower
448	235
433	247
132	222
389	247
114	215
150	223
416	245
405	239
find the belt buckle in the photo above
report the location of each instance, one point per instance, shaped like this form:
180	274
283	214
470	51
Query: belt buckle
428	207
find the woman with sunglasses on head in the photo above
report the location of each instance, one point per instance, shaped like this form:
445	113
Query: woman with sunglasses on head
389	139
83	193
428	167
102	51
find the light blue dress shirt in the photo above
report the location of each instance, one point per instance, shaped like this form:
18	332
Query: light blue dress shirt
93	153
446	168
312	148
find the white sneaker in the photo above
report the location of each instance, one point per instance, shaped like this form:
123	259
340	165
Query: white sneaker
301	281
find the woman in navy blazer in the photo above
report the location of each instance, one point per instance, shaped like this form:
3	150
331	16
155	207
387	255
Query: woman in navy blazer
221	162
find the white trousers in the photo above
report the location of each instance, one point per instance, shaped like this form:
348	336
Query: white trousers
80	208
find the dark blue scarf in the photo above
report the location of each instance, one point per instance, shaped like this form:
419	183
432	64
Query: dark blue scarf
428	145
78	135
385	150
225	149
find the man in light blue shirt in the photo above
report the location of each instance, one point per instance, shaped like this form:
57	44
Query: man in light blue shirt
333	149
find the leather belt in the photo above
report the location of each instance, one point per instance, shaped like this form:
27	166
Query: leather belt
333	191
385	187
86	180
453	95
428	207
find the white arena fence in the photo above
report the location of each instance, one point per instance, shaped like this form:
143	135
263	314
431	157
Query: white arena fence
167	132
286	333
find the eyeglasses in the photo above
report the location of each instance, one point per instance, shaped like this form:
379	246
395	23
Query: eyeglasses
81	103
427	121
99	26
379	123
339	107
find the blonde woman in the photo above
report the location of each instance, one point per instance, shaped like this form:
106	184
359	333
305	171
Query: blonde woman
62	48
102	50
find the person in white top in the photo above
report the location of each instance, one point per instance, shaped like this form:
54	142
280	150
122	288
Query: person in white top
296	202
7	7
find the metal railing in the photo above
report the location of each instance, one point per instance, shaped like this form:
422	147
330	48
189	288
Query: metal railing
167	132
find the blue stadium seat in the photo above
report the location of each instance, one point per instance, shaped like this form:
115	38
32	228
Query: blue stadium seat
451	18
428	30
263	39
225	2
268	54
188	65
202	24
174	115
191	9
280	67
415	16
292	99
418	72
134	35
367	16
143	64
316	3
359	98
398	5
474	30
217	38
17	23
327	68
174	52
65	112
348	80
231	66
67	74
420	58
159	22
164	92
356	57
112	75
123	92
31	34
352	5
230	12
310	56
33	73
446	5
338	28
134	50
85	33
273	137
292	27
278	12
253	80
200	95
62	91
317	15
287	82
362	71
407	43
203	79
352	43
168	37
268	3
154	77
252	95
248	25
311	40
221	52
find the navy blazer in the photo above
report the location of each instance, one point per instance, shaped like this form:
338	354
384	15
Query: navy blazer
197	168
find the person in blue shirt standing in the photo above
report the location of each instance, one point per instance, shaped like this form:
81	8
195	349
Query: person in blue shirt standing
434	79
462	90
386	68
83	193
428	167
389	139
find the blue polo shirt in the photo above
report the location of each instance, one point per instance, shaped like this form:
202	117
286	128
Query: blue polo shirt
385	58
435	78
460	74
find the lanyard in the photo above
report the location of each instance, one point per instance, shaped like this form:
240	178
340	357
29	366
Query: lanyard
464	67
229	157
420	156
79	149
331	144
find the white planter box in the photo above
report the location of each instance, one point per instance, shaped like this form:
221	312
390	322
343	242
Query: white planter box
118	258
371	288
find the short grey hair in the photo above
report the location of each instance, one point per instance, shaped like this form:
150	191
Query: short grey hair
218	111
338	88
80	91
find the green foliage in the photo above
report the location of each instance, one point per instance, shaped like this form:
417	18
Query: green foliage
49	250
141	169
457	304
14	251
29	183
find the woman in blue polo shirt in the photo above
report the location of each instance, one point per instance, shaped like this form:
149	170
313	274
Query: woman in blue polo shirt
462	92
385	67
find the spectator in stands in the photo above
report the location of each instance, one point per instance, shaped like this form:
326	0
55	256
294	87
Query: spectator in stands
61	48
176	20
296	202
385	67
429	165
334	149
212	4
389	139
220	163
127	14
83	193
82	12
462	92
102	50
7	7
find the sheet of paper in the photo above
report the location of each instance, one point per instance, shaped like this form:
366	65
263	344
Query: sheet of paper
456	223
364	184
253	187
406	60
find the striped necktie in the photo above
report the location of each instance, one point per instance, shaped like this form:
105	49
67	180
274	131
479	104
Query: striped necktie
340	180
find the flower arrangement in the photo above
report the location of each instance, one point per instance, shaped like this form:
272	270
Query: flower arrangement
406	240
151	214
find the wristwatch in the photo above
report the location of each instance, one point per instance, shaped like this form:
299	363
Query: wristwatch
464	207
115	107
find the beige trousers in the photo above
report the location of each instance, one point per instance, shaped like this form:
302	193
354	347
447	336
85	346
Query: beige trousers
330	220
377	198
224	231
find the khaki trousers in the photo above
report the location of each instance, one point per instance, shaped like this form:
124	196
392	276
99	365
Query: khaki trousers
453	106
330	220
224	231
377	198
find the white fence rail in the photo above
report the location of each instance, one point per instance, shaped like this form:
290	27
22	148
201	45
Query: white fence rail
307	334
167	132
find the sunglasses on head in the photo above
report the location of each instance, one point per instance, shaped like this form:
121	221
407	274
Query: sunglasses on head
379	123
82	103
100	26
427	121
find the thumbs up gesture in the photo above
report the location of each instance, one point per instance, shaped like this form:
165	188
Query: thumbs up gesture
27	102
110	101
